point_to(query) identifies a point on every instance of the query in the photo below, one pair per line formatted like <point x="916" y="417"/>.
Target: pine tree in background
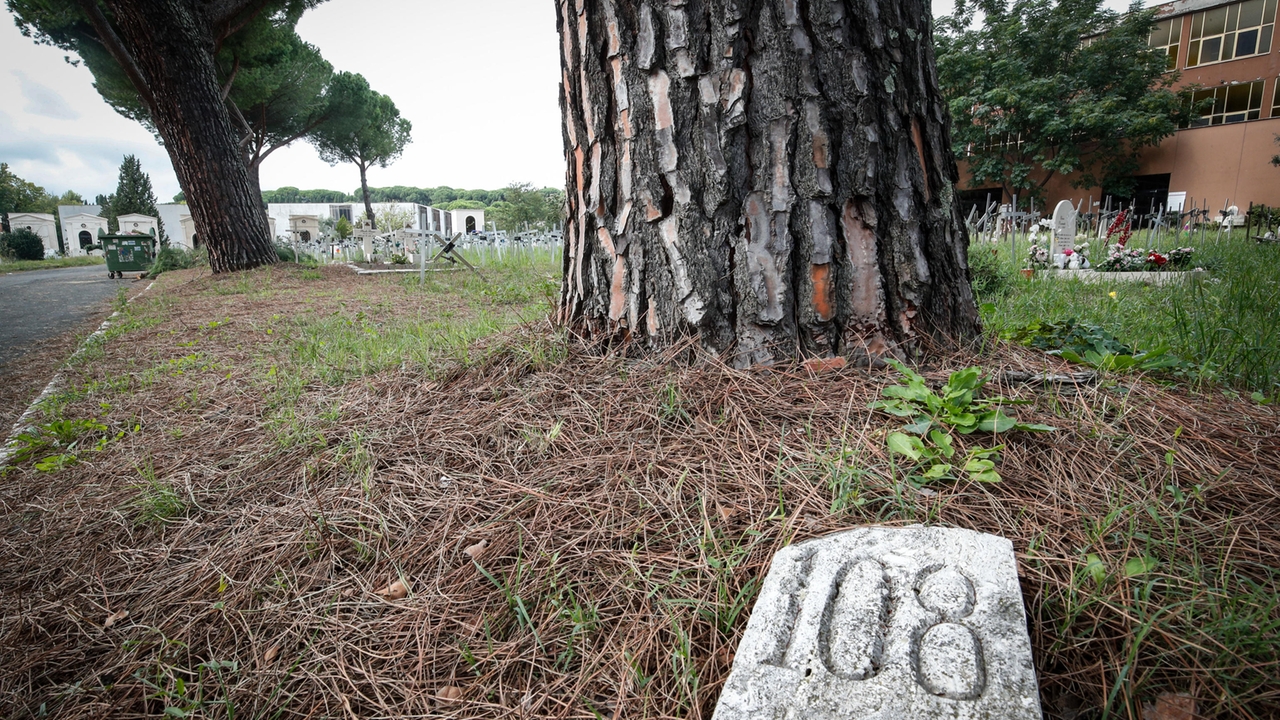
<point x="104" y="203"/>
<point x="133" y="195"/>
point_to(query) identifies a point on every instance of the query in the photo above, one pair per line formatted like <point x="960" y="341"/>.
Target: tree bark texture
<point x="173" y="47"/>
<point x="772" y="176"/>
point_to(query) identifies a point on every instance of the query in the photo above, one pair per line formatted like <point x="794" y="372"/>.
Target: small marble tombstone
<point x="364" y="234"/>
<point x="891" y="624"/>
<point x="1064" y="227"/>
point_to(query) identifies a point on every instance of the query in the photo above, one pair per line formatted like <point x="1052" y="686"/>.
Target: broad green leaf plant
<point x="927" y="440"/>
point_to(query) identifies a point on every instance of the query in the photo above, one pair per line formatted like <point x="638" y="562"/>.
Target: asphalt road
<point x="41" y="304"/>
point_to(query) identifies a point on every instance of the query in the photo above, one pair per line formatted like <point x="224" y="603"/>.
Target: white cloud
<point x="70" y="139"/>
<point x="44" y="101"/>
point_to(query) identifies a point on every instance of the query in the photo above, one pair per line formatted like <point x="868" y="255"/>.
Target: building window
<point x="340" y="211"/>
<point x="1231" y="31"/>
<point x="1167" y="37"/>
<point x="1231" y="104"/>
<point x="1275" y="101"/>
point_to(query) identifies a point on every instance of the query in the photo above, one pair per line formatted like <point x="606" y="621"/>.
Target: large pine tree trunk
<point x="772" y="176"/>
<point x="172" y="44"/>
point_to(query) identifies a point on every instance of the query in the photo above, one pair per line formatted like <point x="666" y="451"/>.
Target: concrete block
<point x="891" y="624"/>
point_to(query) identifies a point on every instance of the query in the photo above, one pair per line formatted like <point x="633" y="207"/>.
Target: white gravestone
<point x="1064" y="227"/>
<point x="364" y="234"/>
<point x="887" y="624"/>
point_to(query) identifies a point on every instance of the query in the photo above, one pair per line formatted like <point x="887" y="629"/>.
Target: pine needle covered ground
<point x="300" y="493"/>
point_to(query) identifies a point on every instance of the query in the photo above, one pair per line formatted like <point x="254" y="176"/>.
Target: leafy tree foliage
<point x="342" y="228"/>
<point x="393" y="218"/>
<point x="369" y="132"/>
<point x="523" y="207"/>
<point x="276" y="87"/>
<point x="443" y="197"/>
<point x="294" y="195"/>
<point x="465" y="205"/>
<point x="18" y="195"/>
<point x="1042" y="87"/>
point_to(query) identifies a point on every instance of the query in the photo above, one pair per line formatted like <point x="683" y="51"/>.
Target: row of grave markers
<point x="1165" y="222"/>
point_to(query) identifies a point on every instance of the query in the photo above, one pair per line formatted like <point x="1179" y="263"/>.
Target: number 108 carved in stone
<point x="882" y="623"/>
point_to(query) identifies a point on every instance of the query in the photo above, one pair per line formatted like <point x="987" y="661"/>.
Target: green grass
<point x="52" y="264"/>
<point x="370" y="332"/>
<point x="343" y="345"/>
<point x="1224" y="325"/>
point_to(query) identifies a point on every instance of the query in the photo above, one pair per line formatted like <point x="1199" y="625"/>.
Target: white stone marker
<point x="1064" y="227"/>
<point x="887" y="624"/>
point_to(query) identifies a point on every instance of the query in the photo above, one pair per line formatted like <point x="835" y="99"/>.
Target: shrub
<point x="21" y="244"/>
<point x="286" y="253"/>
<point x="172" y="258"/>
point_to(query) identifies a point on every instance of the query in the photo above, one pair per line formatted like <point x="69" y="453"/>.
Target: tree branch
<point x="239" y="116"/>
<point x="295" y="137"/>
<point x="113" y="45"/>
<point x="235" y="70"/>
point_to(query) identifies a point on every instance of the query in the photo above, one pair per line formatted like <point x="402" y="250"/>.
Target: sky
<point x="478" y="80"/>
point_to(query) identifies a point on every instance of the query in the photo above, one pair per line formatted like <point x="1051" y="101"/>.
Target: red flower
<point x="1158" y="259"/>
<point x="1120" y="226"/>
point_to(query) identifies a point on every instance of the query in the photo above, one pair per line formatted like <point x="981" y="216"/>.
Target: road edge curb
<point x="10" y="447"/>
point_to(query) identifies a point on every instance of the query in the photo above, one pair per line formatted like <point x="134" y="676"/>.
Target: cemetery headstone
<point x="1064" y="227"/>
<point x="894" y="624"/>
<point x="364" y="234"/>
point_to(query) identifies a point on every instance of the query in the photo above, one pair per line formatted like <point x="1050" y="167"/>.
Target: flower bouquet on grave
<point x="1122" y="259"/>
<point x="1082" y="251"/>
<point x="1181" y="257"/>
<point x="1037" y="256"/>
<point x="1074" y="259"/>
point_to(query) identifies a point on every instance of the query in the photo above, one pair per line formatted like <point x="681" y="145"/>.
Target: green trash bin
<point x="127" y="253"/>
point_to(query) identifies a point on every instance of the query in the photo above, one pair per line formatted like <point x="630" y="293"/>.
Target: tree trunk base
<point x="773" y="179"/>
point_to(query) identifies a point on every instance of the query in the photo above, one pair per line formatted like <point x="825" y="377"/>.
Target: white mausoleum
<point x="303" y="228"/>
<point x="468" y="221"/>
<point x="135" y="224"/>
<point x="80" y="226"/>
<point x="42" y="224"/>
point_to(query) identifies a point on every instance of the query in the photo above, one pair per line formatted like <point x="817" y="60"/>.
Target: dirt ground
<point x="302" y="493"/>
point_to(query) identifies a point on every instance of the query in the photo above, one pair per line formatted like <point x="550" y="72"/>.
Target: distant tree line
<point x="435" y="197"/>
<point x="512" y="208"/>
